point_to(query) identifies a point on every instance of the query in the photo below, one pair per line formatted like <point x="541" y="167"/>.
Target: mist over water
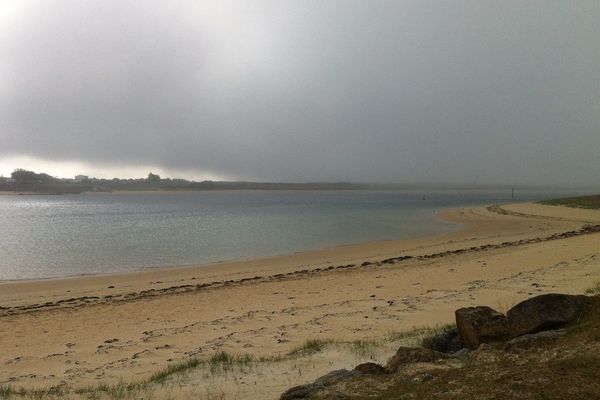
<point x="57" y="236"/>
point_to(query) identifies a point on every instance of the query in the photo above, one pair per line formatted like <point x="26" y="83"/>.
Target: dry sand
<point x="87" y="330"/>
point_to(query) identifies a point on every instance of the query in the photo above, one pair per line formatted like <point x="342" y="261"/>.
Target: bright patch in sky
<point x="68" y="169"/>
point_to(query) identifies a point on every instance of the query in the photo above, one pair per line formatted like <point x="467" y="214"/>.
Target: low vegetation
<point x="219" y="363"/>
<point x="310" y="347"/>
<point x="588" y="202"/>
<point x="417" y="337"/>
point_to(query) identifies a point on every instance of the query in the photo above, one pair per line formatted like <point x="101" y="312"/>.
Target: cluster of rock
<point x="476" y="325"/>
<point x="530" y="322"/>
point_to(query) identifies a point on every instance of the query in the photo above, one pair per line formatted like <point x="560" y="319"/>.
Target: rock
<point x="533" y="339"/>
<point x="304" y="391"/>
<point x="336" y="376"/>
<point x="481" y="324"/>
<point x="370" y="368"/>
<point x="462" y="354"/>
<point x="446" y="342"/>
<point x="544" y="312"/>
<point x="409" y="355"/>
<point x="485" y="353"/>
<point x="298" y="392"/>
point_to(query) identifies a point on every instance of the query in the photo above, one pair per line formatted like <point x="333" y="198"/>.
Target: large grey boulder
<point x="481" y="324"/>
<point x="410" y="355"/>
<point x="544" y="312"/>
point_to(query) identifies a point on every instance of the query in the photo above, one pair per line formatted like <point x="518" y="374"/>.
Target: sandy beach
<point x="110" y="328"/>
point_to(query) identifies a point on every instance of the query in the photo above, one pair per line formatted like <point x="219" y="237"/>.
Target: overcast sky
<point x="388" y="91"/>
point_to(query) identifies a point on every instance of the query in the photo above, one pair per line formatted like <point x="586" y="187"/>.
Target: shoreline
<point x="352" y="253"/>
<point x="267" y="258"/>
<point x="307" y="271"/>
<point x="104" y="329"/>
<point x="361" y="251"/>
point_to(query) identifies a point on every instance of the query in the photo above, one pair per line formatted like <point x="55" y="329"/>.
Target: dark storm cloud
<point x="418" y="91"/>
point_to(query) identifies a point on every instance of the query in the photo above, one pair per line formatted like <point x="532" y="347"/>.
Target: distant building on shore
<point x="81" y="178"/>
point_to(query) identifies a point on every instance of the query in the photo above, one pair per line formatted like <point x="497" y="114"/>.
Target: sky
<point x="487" y="92"/>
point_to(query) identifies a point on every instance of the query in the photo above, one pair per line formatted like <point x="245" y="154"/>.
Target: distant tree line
<point x="23" y="180"/>
<point x="24" y="176"/>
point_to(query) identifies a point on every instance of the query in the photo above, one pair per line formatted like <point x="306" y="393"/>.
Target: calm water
<point x="53" y="236"/>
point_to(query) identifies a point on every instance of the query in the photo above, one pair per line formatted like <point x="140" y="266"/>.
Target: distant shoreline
<point x="25" y="182"/>
<point x="415" y="190"/>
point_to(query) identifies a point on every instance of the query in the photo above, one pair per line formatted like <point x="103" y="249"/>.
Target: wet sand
<point x="87" y="330"/>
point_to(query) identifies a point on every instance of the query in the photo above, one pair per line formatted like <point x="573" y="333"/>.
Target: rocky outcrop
<point x="544" y="312"/>
<point x="299" y="392"/>
<point x="481" y="324"/>
<point x="490" y="337"/>
<point x="409" y="355"/>
<point x="370" y="368"/>
<point x="304" y="391"/>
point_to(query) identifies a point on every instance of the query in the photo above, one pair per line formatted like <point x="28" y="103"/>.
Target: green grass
<point x="588" y="202"/>
<point x="178" y="368"/>
<point x="310" y="347"/>
<point x="218" y="360"/>
<point x="428" y="335"/>
<point x="418" y="336"/>
<point x="57" y="392"/>
<point x="6" y="392"/>
<point x="363" y="348"/>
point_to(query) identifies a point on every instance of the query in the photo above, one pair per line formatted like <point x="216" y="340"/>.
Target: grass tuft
<point x="363" y="348"/>
<point x="311" y="346"/>
<point x="416" y="336"/>
<point x="6" y="392"/>
<point x="438" y="330"/>
<point x="594" y="290"/>
<point x="178" y="368"/>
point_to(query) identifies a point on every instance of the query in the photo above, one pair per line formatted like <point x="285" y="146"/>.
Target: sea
<point x="69" y="235"/>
